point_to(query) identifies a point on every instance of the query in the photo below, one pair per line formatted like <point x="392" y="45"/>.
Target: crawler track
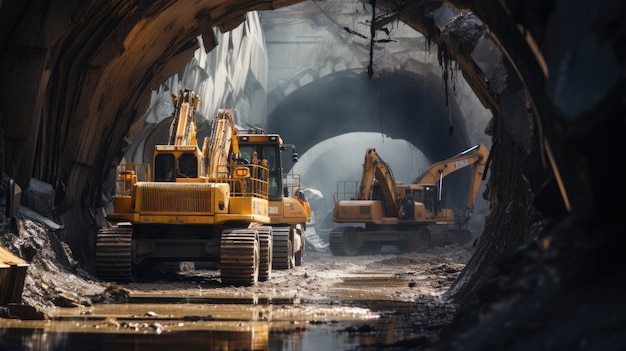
<point x="351" y="241"/>
<point x="283" y="248"/>
<point x="442" y="235"/>
<point x="343" y="241"/>
<point x="266" y="250"/>
<point x="239" y="257"/>
<point x="113" y="254"/>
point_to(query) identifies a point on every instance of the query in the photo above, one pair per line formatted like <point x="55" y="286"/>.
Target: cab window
<point x="187" y="166"/>
<point x="164" y="168"/>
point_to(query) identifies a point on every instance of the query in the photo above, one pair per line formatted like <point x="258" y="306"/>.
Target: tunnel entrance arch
<point x="404" y="105"/>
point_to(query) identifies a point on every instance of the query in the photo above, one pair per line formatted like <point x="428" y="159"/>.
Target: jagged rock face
<point x="77" y="77"/>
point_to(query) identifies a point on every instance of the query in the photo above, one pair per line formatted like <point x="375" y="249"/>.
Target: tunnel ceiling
<point x="89" y="70"/>
<point x="344" y="103"/>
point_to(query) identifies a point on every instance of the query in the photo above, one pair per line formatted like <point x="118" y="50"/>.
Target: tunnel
<point x="77" y="80"/>
<point x="346" y="103"/>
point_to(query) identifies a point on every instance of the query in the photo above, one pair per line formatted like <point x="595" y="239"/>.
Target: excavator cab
<point x="187" y="166"/>
<point x="171" y="165"/>
<point x="431" y="199"/>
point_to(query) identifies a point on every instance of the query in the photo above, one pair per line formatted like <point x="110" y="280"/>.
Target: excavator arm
<point x="183" y="128"/>
<point x="375" y="168"/>
<point x="217" y="147"/>
<point x="476" y="155"/>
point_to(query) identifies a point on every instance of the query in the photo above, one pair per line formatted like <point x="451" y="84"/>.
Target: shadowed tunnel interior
<point x="77" y="78"/>
<point x="403" y="106"/>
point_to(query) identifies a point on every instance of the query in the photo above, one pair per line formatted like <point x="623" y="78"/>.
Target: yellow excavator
<point x="411" y="216"/>
<point x="289" y="210"/>
<point x="195" y="205"/>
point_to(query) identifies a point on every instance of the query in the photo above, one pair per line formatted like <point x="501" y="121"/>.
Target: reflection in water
<point x="326" y="336"/>
<point x="189" y="327"/>
<point x="37" y="339"/>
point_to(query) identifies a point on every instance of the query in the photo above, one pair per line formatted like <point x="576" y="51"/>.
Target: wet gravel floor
<point x="391" y="300"/>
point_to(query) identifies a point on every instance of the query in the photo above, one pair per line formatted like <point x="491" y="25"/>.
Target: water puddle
<point x="215" y="325"/>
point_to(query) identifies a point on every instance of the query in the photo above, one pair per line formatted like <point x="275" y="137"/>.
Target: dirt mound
<point x="53" y="277"/>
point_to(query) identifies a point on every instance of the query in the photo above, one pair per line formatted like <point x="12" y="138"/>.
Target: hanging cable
<point x="450" y="127"/>
<point x="370" y="67"/>
<point x="380" y="114"/>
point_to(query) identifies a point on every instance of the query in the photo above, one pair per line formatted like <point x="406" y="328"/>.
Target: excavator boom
<point x="223" y="136"/>
<point x="432" y="175"/>
<point x="375" y="168"/>
<point x="476" y="155"/>
<point x="183" y="129"/>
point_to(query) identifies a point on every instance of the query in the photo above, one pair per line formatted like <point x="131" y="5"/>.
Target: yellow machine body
<point x="381" y="210"/>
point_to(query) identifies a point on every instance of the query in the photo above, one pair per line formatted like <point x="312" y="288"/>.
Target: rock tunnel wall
<point x="77" y="78"/>
<point x="234" y="74"/>
<point x="97" y="79"/>
<point x="88" y="70"/>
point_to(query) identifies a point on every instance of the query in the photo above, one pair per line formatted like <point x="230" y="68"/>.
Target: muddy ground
<point x="406" y="286"/>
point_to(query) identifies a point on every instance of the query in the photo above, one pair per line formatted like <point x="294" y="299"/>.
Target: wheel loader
<point x="191" y="204"/>
<point x="410" y="216"/>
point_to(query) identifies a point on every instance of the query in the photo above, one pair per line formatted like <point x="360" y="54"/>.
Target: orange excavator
<point x="382" y="211"/>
